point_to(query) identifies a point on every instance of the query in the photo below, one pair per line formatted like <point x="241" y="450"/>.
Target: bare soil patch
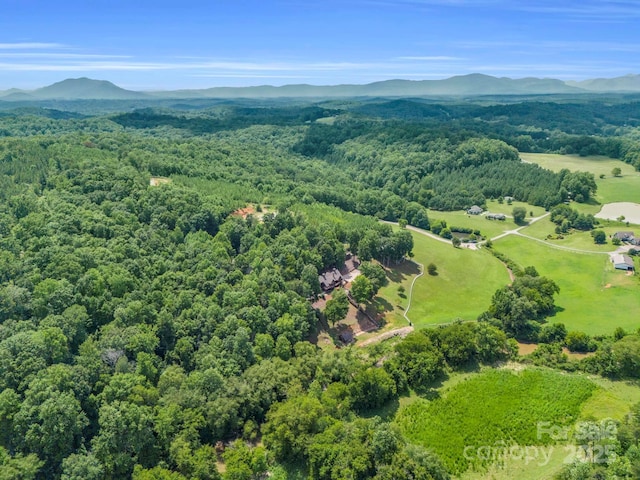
<point x="612" y="211"/>
<point x="526" y="348"/>
<point x="244" y="212"/>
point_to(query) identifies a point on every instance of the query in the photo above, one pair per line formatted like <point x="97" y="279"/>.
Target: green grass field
<point x="463" y="287"/>
<point x="488" y="228"/>
<point x="594" y="164"/>
<point x="495" y="207"/>
<point x="477" y="408"/>
<point x="467" y="279"/>
<point x="610" y="189"/>
<point x="576" y="239"/>
<point x="390" y="300"/>
<point x="609" y="400"/>
<point x="593" y="296"/>
<point x="622" y="189"/>
<point x="494" y="408"/>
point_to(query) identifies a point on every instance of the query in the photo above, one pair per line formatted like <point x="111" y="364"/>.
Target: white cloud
<point x="437" y="58"/>
<point x="65" y="56"/>
<point x="30" y="46"/>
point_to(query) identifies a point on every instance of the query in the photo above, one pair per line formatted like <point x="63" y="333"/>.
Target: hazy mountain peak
<point x="460" y="85"/>
<point x="85" y="88"/>
<point x="626" y="83"/>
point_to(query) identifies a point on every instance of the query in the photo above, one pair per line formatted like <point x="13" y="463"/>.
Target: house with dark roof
<point x="622" y="262"/>
<point x="475" y="210"/>
<point x="346" y="337"/>
<point x="351" y="263"/>
<point x="496" y="216"/>
<point x="330" y="279"/>
<point x="624" y="236"/>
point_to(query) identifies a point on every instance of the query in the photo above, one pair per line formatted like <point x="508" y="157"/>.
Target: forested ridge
<point x="147" y="332"/>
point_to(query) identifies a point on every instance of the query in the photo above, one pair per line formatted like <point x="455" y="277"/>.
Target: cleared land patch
<point x="595" y="164"/>
<point x="630" y="211"/>
<point x="494" y="408"/>
<point x="625" y="188"/>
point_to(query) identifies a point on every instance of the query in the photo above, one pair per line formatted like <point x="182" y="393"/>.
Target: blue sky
<point x="148" y="45"/>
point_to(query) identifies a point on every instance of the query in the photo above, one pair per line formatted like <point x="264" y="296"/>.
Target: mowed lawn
<point x="463" y="287"/>
<point x="488" y="228"/>
<point x="494" y="206"/>
<point x="593" y="296"/>
<point x="577" y="239"/>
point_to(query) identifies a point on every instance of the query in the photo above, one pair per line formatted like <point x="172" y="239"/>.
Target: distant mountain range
<point x="464" y="85"/>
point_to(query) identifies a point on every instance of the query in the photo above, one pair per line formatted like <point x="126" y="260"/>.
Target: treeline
<point x="230" y="118"/>
<point x="440" y="169"/>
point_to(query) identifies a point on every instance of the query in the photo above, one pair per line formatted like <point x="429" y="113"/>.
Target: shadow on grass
<point x="386" y="412"/>
<point x="364" y="323"/>
<point x="382" y="304"/>
<point x="469" y="367"/>
<point x="430" y="390"/>
<point x="294" y="471"/>
<point x="398" y="273"/>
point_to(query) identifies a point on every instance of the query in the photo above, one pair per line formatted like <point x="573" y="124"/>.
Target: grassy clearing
<point x="319" y="213"/>
<point x="593" y="296"/>
<point x="488" y="228"/>
<point x="389" y="299"/>
<point x="610" y="189"/>
<point x="596" y="164"/>
<point x="525" y="469"/>
<point x="230" y="192"/>
<point x="494" y="207"/>
<point x="611" y="399"/>
<point x="463" y="287"/>
<point x="576" y="239"/>
<point x="623" y="189"/>
<point x="492" y="407"/>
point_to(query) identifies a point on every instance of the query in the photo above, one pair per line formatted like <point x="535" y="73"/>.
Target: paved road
<point x="562" y="247"/>
<point x="406" y="310"/>
<point x="517" y="230"/>
<point x="421" y="231"/>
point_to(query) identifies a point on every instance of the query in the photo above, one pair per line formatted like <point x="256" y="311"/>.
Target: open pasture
<point x="492" y="409"/>
<point x="465" y="281"/>
<point x="593" y="296"/>
<point x="488" y="228"/>
<point x="625" y="188"/>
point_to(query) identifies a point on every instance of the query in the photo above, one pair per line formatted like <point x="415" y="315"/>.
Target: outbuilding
<point x="622" y="262"/>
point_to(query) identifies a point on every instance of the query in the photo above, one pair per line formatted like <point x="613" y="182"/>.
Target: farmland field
<point x="625" y="188"/>
<point x="494" y="408"/>
<point x="593" y="296"/>
<point x="594" y="164"/>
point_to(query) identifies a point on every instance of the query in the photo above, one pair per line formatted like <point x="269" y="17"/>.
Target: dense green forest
<point x="147" y="332"/>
